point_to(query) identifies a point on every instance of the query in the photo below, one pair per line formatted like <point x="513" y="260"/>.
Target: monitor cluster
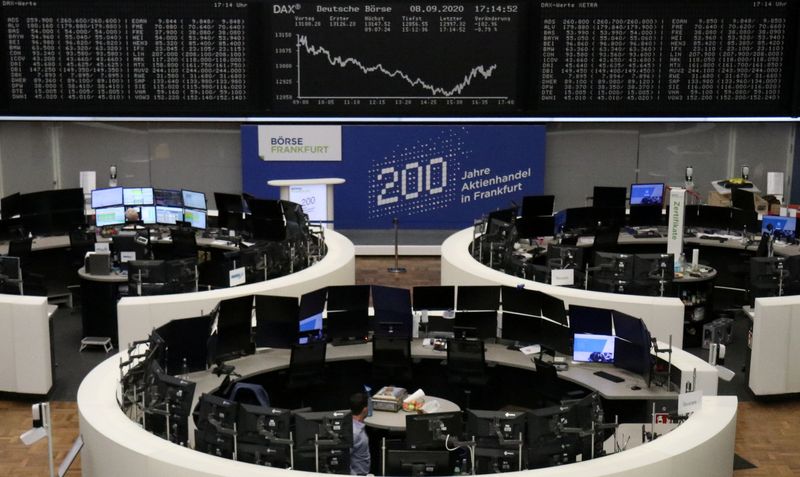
<point x="43" y="212"/>
<point x="154" y="206"/>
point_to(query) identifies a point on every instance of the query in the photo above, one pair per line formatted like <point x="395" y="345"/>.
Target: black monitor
<point x="537" y="205"/>
<point x="553" y="309"/>
<point x="313" y="303"/>
<point x="691" y="216"/>
<point x="478" y="297"/>
<point x="181" y="275"/>
<point x="434" y="298"/>
<point x="653" y="268"/>
<point x="147" y="277"/>
<point x="262" y="425"/>
<point x="214" y="412"/>
<point x="491" y="426"/>
<point x="647" y="195"/>
<point x="234" y="322"/>
<point x="534" y="227"/>
<point x="391" y="298"/>
<point x="745" y="220"/>
<point x="579" y="218"/>
<point x="475" y="324"/>
<point x="193" y="200"/>
<point x="429" y="431"/>
<point x="177" y="393"/>
<point x="393" y="323"/>
<point x="565" y="257"/>
<point x="499" y="220"/>
<point x="10" y="268"/>
<point x="628" y="328"/>
<point x="348" y="297"/>
<point x="632" y="357"/>
<point x="126" y="242"/>
<point x="713" y="217"/>
<point x="214" y="443"/>
<point x="268" y="455"/>
<point x="230" y="210"/>
<point x="765" y="275"/>
<point x="522" y="301"/>
<point x="645" y="215"/>
<point x="276" y="321"/>
<point x="613" y="269"/>
<point x="556" y="337"/>
<point x="255" y="260"/>
<point x="743" y="199"/>
<point x="185" y="344"/>
<point x="588" y="319"/>
<point x="11" y="206"/>
<point x="521" y="328"/>
<point x="348" y="325"/>
<point x="168" y="197"/>
<point x="608" y="216"/>
<point x="332" y="428"/>
<point x="611" y="197"/>
<point x="402" y="462"/>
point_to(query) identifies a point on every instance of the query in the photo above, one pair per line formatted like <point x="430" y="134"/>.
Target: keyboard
<point x="610" y="377"/>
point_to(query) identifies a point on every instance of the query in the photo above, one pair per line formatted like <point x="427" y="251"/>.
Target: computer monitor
<point x="766" y="274"/>
<point x="391" y="298"/>
<point x="168" y="215"/>
<point x="106" y="197"/>
<point x="743" y="199"/>
<point x="9" y="268"/>
<point x="653" y="268"/>
<point x="348" y="325"/>
<point x="578" y="218"/>
<point x="588" y="319"/>
<point x="182" y="275"/>
<point x="392" y="323"/>
<point x="713" y="217"/>
<point x="126" y="242"/>
<point x="434" y="298"/>
<point x="479" y="297"/>
<point x="402" y="462"/>
<point x="310" y="329"/>
<point x="745" y="220"/>
<point x="137" y="196"/>
<point x="230" y="209"/>
<point x="276" y="321"/>
<point x="490" y="426"/>
<point x="613" y="269"/>
<point x="429" y="431"/>
<point x="553" y="309"/>
<point x="565" y="257"/>
<point x="195" y="217"/>
<point x="537" y="205"/>
<point x="215" y="412"/>
<point x="177" y="392"/>
<point x="261" y="424"/>
<point x="555" y="336"/>
<point x="147" y="214"/>
<point x="611" y="197"/>
<point x="632" y="357"/>
<point x="781" y="228"/>
<point x="348" y="297"/>
<point x="234" y="323"/>
<point x="475" y="324"/>
<point x="108" y="216"/>
<point x="147" y="271"/>
<point x="647" y="194"/>
<point x="523" y="329"/>
<point x="522" y="301"/>
<point x="193" y="200"/>
<point x="334" y="428"/>
<point x="499" y="220"/>
<point x="187" y="342"/>
<point x="313" y="303"/>
<point x="168" y="197"/>
<point x="589" y="348"/>
<point x="535" y="227"/>
<point x="645" y="215"/>
<point x="629" y="328"/>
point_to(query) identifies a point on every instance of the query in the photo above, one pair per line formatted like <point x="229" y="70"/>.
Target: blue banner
<point x="426" y="176"/>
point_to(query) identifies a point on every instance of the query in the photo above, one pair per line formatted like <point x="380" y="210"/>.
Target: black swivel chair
<point x="391" y="361"/>
<point x="552" y="388"/>
<point x="466" y="366"/>
<point x="306" y="368"/>
<point x="184" y="243"/>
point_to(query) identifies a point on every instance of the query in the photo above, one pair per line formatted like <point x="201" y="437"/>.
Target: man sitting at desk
<point x="359" y="454"/>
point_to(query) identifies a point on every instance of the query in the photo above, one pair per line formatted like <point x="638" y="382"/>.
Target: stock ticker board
<point x="259" y="58"/>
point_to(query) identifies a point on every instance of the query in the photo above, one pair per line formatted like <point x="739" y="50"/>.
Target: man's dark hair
<point x="358" y="402"/>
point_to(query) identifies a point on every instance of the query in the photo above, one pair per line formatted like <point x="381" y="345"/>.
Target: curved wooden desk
<point x="115" y="445"/>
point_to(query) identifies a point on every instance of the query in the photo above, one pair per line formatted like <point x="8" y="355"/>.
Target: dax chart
<point x="397" y="57"/>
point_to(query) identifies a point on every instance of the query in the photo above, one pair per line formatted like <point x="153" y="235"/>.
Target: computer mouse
<point x="635" y="388"/>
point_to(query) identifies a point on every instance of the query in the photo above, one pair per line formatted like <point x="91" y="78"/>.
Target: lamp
<point x="746" y="172"/>
<point x="689" y="178"/>
<point x="112" y="176"/>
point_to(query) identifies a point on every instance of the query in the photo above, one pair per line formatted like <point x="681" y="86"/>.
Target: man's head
<point x="358" y="406"/>
<point x="132" y="215"/>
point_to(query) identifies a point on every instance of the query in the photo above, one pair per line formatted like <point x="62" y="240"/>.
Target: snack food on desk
<point x="415" y="405"/>
<point x="389" y="398"/>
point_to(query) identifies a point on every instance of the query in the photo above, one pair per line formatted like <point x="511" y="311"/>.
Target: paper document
<point x="532" y="349"/>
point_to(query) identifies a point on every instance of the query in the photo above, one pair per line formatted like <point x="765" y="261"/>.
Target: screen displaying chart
<point x="397" y="57"/>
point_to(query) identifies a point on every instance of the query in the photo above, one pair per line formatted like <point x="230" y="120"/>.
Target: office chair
<point x="306" y="368"/>
<point x="391" y="361"/>
<point x="466" y="366"/>
<point x="249" y="393"/>
<point x="184" y="244"/>
<point x="552" y="388"/>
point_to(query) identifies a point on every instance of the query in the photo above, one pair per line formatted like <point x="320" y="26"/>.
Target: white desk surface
<point x="319" y="181"/>
<point x="396" y="421"/>
<point x="113" y="277"/>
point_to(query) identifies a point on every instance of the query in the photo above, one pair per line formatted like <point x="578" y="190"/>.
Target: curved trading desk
<point x="115" y="445"/>
<point x="137" y="316"/>
<point x="663" y="316"/>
